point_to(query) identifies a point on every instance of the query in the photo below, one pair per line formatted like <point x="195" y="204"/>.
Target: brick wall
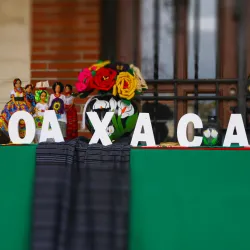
<point x="65" y="39"/>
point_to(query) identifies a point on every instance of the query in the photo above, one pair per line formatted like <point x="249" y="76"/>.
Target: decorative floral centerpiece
<point x="117" y="85"/>
<point x="118" y="79"/>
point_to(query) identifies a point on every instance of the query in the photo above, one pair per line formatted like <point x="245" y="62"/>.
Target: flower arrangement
<point x="111" y="78"/>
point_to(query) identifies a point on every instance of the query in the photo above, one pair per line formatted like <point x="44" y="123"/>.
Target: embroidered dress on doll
<point x="18" y="102"/>
<point x="56" y="102"/>
<point x="41" y="97"/>
<point x="31" y="101"/>
<point x="38" y="118"/>
<point x="30" y="98"/>
<point x="71" y="114"/>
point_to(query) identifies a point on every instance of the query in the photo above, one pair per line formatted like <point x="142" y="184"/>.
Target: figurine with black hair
<point x="56" y="103"/>
<point x="18" y="102"/>
<point x="30" y="98"/>
<point x="41" y="97"/>
<point x="71" y="113"/>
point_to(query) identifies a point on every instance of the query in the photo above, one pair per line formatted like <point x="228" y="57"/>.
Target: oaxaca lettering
<point x="51" y="129"/>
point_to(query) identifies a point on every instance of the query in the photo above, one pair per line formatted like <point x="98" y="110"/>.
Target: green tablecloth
<point x="190" y="200"/>
<point x="181" y="199"/>
<point x="17" y="165"/>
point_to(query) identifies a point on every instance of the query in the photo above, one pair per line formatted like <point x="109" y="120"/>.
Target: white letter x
<point x="100" y="128"/>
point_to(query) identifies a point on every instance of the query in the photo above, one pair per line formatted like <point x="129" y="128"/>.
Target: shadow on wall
<point x="164" y="114"/>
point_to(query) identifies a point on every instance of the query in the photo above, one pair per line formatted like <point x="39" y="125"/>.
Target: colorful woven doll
<point x="56" y="102"/>
<point x="18" y="102"/>
<point x="30" y="98"/>
<point x="41" y="97"/>
<point x="71" y="113"/>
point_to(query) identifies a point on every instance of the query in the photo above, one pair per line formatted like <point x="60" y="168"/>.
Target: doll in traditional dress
<point x="71" y="113"/>
<point x="30" y="98"/>
<point x="56" y="103"/>
<point x="18" y="102"/>
<point x="41" y="97"/>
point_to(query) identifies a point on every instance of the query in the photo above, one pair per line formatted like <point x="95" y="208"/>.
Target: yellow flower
<point x="99" y="65"/>
<point x="125" y="86"/>
<point x="141" y="83"/>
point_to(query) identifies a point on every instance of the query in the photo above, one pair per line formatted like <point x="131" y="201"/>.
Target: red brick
<point x="72" y="82"/>
<point x="62" y="47"/>
<point x="66" y="35"/>
<point x="58" y="12"/>
<point x="37" y="29"/>
<point x="74" y="16"/>
<point x="40" y="48"/>
<point x="79" y="117"/>
<point x="81" y="100"/>
<point x="64" y="4"/>
<point x="56" y="57"/>
<point x="50" y="91"/>
<point x="54" y="74"/>
<point x="71" y="65"/>
<point x="90" y="56"/>
<point x="78" y="108"/>
<point x="90" y="39"/>
<point x="61" y="22"/>
<point x="61" y="37"/>
<point x="64" y="39"/>
<point x="38" y="66"/>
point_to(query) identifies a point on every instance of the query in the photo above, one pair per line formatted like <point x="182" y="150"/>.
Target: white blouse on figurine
<point x="69" y="100"/>
<point x="63" y="117"/>
<point x="41" y="108"/>
<point x="16" y="94"/>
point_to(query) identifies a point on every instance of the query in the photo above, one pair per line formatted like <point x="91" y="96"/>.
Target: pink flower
<point x="84" y="75"/>
<point x="84" y="79"/>
<point x="80" y="86"/>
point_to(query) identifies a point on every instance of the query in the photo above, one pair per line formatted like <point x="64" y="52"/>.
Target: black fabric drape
<point x="81" y="198"/>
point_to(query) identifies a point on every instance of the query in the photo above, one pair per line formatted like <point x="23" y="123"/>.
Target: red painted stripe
<point x="200" y="148"/>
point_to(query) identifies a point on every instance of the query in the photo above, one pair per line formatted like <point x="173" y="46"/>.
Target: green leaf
<point x="131" y="72"/>
<point x="99" y="61"/>
<point x="131" y="122"/>
<point x="205" y="140"/>
<point x="120" y="125"/>
<point x="115" y="135"/>
<point x="102" y="92"/>
<point x="138" y="92"/>
<point x="85" y="94"/>
<point x="93" y="73"/>
<point x="126" y="102"/>
<point x="214" y="141"/>
<point x="90" y="123"/>
<point x="114" y="122"/>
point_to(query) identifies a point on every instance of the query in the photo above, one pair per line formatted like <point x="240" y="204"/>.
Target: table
<point x="181" y="199"/>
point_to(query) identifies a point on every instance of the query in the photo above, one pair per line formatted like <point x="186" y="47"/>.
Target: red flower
<point x="104" y="79"/>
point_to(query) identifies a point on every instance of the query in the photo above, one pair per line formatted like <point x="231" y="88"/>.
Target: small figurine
<point x="30" y="98"/>
<point x="41" y="106"/>
<point x="56" y="102"/>
<point x="17" y="103"/>
<point x="71" y="114"/>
